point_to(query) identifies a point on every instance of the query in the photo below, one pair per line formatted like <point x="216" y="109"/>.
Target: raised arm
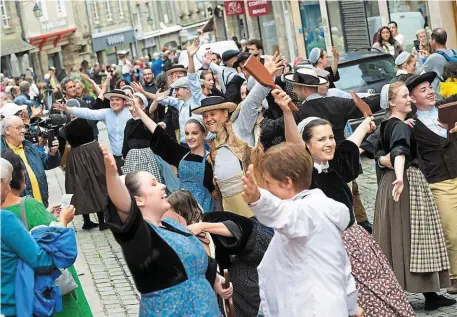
<point x="365" y="127"/>
<point x="84" y="113"/>
<point x="291" y="130"/>
<point x="117" y="191"/>
<point x="336" y="58"/>
<point x="217" y="228"/>
<point x="94" y="85"/>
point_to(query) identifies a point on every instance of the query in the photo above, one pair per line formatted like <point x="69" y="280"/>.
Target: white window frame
<point x="109" y="14"/>
<point x="120" y="4"/>
<point x="61" y="8"/>
<point x="138" y="17"/>
<point x="95" y="12"/>
<point x="44" y="10"/>
<point x="5" y="16"/>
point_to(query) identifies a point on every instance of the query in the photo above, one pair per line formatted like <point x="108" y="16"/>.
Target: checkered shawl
<point x="141" y="160"/>
<point x="428" y="247"/>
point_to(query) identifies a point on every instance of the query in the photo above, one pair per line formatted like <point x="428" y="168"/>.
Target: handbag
<point x="65" y="281"/>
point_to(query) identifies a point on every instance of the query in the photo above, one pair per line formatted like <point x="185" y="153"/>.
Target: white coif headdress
<point x="302" y="125"/>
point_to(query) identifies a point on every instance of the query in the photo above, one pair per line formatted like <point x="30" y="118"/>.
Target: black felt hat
<point x="305" y="77"/>
<point x="214" y="103"/>
<point x="414" y="81"/>
<point x="244" y="56"/>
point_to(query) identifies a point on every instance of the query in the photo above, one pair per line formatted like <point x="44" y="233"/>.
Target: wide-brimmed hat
<point x="214" y="103"/>
<point x="414" y="81"/>
<point x="227" y="55"/>
<point x="176" y="68"/>
<point x="10" y="109"/>
<point x="116" y="93"/>
<point x="305" y="77"/>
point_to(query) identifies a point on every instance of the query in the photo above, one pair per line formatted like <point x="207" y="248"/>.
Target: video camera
<point x="47" y="128"/>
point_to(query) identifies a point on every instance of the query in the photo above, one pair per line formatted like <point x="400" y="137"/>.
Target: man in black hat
<point x="438" y="151"/>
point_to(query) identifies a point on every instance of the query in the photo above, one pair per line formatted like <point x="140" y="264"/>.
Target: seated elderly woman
<point x="169" y="265"/>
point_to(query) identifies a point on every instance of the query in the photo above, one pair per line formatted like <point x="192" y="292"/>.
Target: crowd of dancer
<point x="218" y="172"/>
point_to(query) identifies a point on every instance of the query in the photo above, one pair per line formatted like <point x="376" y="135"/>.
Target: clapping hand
<point x="335" y="53"/>
<point x="137" y="87"/>
<point x="274" y="63"/>
<point x="208" y="57"/>
<point x="251" y="192"/>
<point x="162" y="95"/>
<point x="297" y="61"/>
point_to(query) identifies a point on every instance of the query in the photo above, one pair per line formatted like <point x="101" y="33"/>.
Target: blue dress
<point x="191" y="176"/>
<point x="191" y="298"/>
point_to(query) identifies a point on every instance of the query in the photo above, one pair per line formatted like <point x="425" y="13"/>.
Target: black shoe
<point x="103" y="226"/>
<point x="89" y="225"/>
<point x="438" y="301"/>
<point x="367" y="226"/>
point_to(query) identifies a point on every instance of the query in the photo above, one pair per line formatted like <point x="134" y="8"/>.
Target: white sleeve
<point x="173" y="102"/>
<point x="290" y="218"/>
<point x="86" y="113"/>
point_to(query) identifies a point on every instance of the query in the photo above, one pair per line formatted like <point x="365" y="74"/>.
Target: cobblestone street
<point x="106" y="279"/>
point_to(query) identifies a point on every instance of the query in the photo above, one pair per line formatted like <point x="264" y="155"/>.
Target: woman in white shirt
<point x="305" y="271"/>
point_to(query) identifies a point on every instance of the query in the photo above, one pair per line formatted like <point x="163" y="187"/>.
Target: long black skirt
<point x="85" y="178"/>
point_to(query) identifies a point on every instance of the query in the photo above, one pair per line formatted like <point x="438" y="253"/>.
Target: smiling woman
<point x="168" y="264"/>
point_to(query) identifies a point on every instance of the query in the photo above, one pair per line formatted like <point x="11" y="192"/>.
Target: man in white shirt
<point x="397" y="36"/>
<point x="305" y="271"/>
<point x="115" y="119"/>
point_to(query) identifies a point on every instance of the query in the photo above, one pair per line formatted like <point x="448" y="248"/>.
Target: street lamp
<point x="37" y="12"/>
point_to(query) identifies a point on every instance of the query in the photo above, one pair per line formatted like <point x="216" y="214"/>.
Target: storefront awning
<point x="164" y="31"/>
<point x="14" y="45"/>
<point x="53" y="37"/>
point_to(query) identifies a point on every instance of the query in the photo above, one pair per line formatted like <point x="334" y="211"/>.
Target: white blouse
<point x="305" y="271"/>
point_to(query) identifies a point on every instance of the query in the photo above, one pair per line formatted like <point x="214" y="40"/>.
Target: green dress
<point x="75" y="303"/>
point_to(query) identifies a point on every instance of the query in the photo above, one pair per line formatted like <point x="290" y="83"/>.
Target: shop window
<point x="267" y="26"/>
<point x="313" y="28"/>
<point x="410" y="16"/>
<point x="336" y="27"/>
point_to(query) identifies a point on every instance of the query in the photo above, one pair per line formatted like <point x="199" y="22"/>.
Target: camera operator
<point x="13" y="137"/>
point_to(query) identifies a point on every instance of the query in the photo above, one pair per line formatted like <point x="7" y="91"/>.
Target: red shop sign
<point x="234" y="7"/>
<point x="258" y="7"/>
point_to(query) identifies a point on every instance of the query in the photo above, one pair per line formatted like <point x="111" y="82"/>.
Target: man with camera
<point x="36" y="162"/>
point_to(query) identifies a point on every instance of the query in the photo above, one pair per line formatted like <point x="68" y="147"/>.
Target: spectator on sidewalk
<point x="157" y="64"/>
<point x="386" y="43"/>
<point x="96" y="74"/>
<point x="400" y="38"/>
<point x="437" y="61"/>
<point x="255" y="48"/>
<point x="13" y="137"/>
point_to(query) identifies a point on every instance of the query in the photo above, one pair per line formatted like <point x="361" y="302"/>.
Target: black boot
<point x="367" y="226"/>
<point x="101" y="220"/>
<point x="434" y="301"/>
<point x="88" y="224"/>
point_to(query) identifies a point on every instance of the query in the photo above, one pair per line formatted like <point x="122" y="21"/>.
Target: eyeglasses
<point x="21" y="127"/>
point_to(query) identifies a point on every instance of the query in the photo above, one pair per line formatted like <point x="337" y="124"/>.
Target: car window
<point x="365" y="73"/>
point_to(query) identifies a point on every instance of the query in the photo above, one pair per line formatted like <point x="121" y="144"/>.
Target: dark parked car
<point x="366" y="72"/>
